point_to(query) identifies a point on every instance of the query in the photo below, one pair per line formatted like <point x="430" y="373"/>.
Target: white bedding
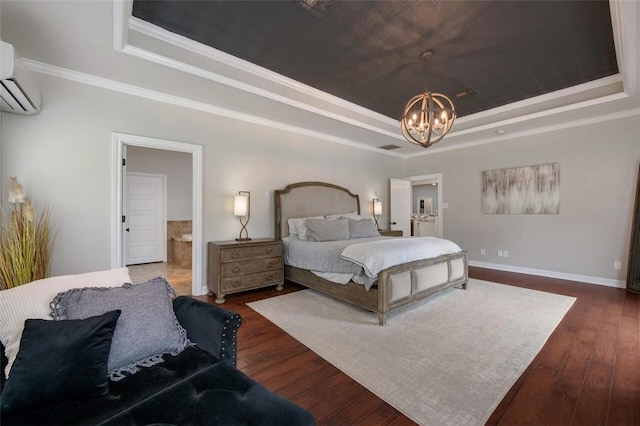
<point x="359" y="260"/>
<point x="374" y="256"/>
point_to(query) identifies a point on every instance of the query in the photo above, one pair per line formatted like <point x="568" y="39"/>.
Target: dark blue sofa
<point x="200" y="386"/>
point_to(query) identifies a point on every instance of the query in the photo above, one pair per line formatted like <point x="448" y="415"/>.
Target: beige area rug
<point x="446" y="360"/>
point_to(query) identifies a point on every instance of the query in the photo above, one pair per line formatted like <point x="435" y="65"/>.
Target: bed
<point x="396" y="286"/>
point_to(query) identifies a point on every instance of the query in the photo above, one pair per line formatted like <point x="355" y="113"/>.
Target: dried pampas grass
<point x="26" y="241"/>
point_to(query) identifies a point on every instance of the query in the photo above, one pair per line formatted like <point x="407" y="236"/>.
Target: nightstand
<point x="390" y="232"/>
<point x="235" y="266"/>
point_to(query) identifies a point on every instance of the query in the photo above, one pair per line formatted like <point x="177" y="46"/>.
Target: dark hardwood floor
<point x="588" y="373"/>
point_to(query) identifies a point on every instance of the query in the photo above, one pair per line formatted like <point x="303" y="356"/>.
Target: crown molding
<point x="531" y="132"/>
<point x="622" y="31"/>
<point x="242" y="65"/>
<point x="141" y="92"/>
<point x="200" y="72"/>
<point x="547" y="97"/>
<point x="121" y="12"/>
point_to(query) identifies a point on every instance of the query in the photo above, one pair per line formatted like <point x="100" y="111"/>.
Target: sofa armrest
<point x="3" y="364"/>
<point x="210" y="327"/>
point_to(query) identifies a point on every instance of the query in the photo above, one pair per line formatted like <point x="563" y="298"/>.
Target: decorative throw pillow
<point x="328" y="230"/>
<point x="31" y="301"/>
<point x="362" y="228"/>
<point x="59" y="361"/>
<point x="147" y="329"/>
<point x="298" y="226"/>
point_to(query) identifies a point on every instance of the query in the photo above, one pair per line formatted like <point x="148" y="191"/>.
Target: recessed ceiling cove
<point x="369" y="53"/>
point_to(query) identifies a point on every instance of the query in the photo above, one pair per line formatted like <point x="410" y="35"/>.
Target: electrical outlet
<point x="499" y="253"/>
<point x="505" y="253"/>
<point x="483" y="251"/>
<point x="445" y="205"/>
<point x="617" y="265"/>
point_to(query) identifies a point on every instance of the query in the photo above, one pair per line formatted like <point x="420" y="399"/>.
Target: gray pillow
<point x="362" y="228"/>
<point x="328" y="229"/>
<point x="147" y="328"/>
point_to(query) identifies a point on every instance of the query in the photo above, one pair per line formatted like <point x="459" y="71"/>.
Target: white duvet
<point x="361" y="259"/>
<point x="374" y="256"/>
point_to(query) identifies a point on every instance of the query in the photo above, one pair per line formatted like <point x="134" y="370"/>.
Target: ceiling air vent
<point x="18" y="91"/>
<point x="317" y="8"/>
<point x="389" y="147"/>
<point x="464" y="93"/>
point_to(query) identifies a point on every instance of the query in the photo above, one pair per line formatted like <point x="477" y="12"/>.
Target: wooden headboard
<point x="308" y="199"/>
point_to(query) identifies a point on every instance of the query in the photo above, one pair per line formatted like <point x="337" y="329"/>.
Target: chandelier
<point x="428" y="117"/>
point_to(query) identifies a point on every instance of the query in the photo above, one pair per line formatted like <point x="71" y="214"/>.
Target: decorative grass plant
<point x="25" y="242"/>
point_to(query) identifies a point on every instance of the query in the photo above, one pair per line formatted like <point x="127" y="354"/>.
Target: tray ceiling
<point x="512" y="59"/>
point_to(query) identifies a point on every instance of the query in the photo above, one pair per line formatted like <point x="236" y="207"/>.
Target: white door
<point x="145" y="224"/>
<point x="400" y="205"/>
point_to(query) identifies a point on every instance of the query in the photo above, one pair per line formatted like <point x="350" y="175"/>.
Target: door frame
<point x="119" y="140"/>
<point x="437" y="177"/>
<point x="163" y="178"/>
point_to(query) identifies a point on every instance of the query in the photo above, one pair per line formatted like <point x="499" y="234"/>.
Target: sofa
<point x="198" y="386"/>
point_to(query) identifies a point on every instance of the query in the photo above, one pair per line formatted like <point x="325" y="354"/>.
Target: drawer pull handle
<point x="236" y="284"/>
<point x="270" y="250"/>
<point x="235" y="254"/>
<point x="269" y="277"/>
<point x="235" y="269"/>
<point x="269" y="265"/>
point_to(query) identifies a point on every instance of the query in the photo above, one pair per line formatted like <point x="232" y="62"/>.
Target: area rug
<point x="446" y="360"/>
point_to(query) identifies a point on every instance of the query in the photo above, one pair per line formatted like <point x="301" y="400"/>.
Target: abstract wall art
<point x="522" y="190"/>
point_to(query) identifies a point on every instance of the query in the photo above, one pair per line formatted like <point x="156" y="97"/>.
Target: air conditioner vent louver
<point x="18" y="91"/>
<point x="13" y="97"/>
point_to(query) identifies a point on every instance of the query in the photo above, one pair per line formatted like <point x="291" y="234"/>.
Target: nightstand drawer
<point x="246" y="282"/>
<point x="250" y="266"/>
<point x="250" y="252"/>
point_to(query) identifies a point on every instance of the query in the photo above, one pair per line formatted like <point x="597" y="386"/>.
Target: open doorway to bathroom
<point x="168" y="243"/>
<point x="158" y="216"/>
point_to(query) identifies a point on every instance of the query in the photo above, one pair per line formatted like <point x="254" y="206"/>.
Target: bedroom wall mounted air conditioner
<point x="18" y="91"/>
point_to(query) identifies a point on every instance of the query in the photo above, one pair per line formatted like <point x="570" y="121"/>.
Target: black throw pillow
<point x="59" y="361"/>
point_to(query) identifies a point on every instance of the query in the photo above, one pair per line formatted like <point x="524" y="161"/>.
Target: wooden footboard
<point x="406" y="283"/>
<point x="397" y="286"/>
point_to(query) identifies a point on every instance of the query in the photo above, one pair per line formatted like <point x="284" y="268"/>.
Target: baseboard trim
<point x="551" y="274"/>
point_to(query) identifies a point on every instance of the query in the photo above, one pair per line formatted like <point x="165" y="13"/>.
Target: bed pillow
<point x="362" y="228"/>
<point x="295" y="224"/>
<point x="147" y="328"/>
<point x="328" y="230"/>
<point x="31" y="301"/>
<point x="298" y="226"/>
<point x="60" y="361"/>
<point x="352" y="215"/>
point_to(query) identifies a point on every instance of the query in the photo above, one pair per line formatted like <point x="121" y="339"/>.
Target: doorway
<point x="427" y="205"/>
<point x="118" y="246"/>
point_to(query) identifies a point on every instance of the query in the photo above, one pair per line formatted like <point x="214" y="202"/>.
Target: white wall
<point x="598" y="167"/>
<point x="63" y="156"/>
<point x="176" y="166"/>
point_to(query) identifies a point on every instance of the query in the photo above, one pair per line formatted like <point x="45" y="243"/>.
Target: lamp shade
<point x="377" y="207"/>
<point x="240" y="205"/>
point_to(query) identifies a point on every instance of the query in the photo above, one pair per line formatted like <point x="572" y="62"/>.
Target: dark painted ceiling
<point x="368" y="52"/>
